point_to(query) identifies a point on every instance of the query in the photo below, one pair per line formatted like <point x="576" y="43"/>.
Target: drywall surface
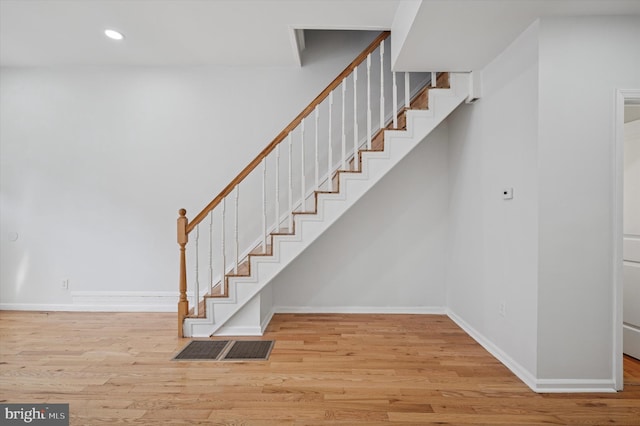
<point x="401" y="26"/>
<point x="96" y="163"/>
<point x="384" y="254"/>
<point x="576" y="151"/>
<point x="492" y="251"/>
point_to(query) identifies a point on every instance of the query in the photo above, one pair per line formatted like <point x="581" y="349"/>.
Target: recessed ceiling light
<point x="113" y="34"/>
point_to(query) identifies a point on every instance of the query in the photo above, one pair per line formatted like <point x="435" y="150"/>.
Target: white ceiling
<point x="173" y="32"/>
<point x="451" y="35"/>
<point x="465" y="35"/>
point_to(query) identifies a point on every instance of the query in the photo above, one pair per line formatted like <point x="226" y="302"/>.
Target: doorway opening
<point x="626" y="244"/>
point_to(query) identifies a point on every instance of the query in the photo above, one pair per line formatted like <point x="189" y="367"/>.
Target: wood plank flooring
<point x="116" y="368"/>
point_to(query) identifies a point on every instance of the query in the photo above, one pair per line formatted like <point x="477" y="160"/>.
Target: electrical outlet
<point x="507" y="194"/>
<point x="65" y="284"/>
<point x="502" y="309"/>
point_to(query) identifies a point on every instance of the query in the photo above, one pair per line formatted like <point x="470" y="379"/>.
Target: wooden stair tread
<point x="258" y="251"/>
<point x="243" y="270"/>
<point x="202" y="305"/>
<point x="217" y="290"/>
<point x="282" y="231"/>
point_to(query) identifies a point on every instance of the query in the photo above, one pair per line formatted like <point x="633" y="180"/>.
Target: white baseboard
<point x="230" y="330"/>
<point x="536" y="385"/>
<point x="238" y="331"/>
<point x="574" y="385"/>
<point x="106" y="301"/>
<point x="434" y="310"/>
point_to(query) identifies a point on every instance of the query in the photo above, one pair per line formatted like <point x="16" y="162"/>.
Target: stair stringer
<point x="308" y="227"/>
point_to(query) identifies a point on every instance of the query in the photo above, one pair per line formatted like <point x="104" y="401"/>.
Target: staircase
<point x="326" y="187"/>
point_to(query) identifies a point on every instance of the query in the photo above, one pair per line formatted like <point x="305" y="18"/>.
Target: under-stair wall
<point x="384" y="254"/>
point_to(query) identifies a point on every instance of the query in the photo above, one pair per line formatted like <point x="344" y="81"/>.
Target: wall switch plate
<point x="65" y="284"/>
<point x="507" y="194"/>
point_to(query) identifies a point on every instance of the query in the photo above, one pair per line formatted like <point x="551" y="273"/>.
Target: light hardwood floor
<point x="116" y="368"/>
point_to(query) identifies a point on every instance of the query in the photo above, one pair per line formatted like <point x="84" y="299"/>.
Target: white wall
<point x="97" y="161"/>
<point x="582" y="62"/>
<point x="402" y="21"/>
<point x="545" y="125"/>
<point x="492" y="256"/>
<point x="386" y="253"/>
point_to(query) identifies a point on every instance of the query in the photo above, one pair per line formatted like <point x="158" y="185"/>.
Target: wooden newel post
<point x="183" y="303"/>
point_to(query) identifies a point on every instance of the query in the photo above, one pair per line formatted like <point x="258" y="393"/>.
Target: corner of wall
<point x="402" y="23"/>
<point x="516" y="368"/>
<point x="493" y="241"/>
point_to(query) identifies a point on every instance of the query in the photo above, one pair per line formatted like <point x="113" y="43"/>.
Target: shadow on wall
<point x="320" y="44"/>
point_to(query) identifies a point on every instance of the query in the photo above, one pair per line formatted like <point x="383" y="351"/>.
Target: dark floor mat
<point x="247" y="350"/>
<point x="202" y="350"/>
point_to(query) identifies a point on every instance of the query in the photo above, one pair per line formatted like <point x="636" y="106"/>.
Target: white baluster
<point x="223" y="248"/>
<point x="344" y="134"/>
<point x="264" y="205"/>
<point x="395" y="101"/>
<point x="369" y="101"/>
<point x="277" y="229"/>
<point x="210" y="250"/>
<point x="330" y="147"/>
<point x="302" y="171"/>
<point x="196" y="287"/>
<point x="407" y="92"/>
<point x="355" y="120"/>
<point x="382" y="84"/>
<point x="290" y="213"/>
<point x="237" y="243"/>
<point x="317" y="169"/>
<point x="434" y="79"/>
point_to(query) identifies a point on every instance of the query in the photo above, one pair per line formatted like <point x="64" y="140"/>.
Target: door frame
<point x="622" y="97"/>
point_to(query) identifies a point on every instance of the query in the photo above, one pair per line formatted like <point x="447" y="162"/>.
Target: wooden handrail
<point x="283" y="134"/>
